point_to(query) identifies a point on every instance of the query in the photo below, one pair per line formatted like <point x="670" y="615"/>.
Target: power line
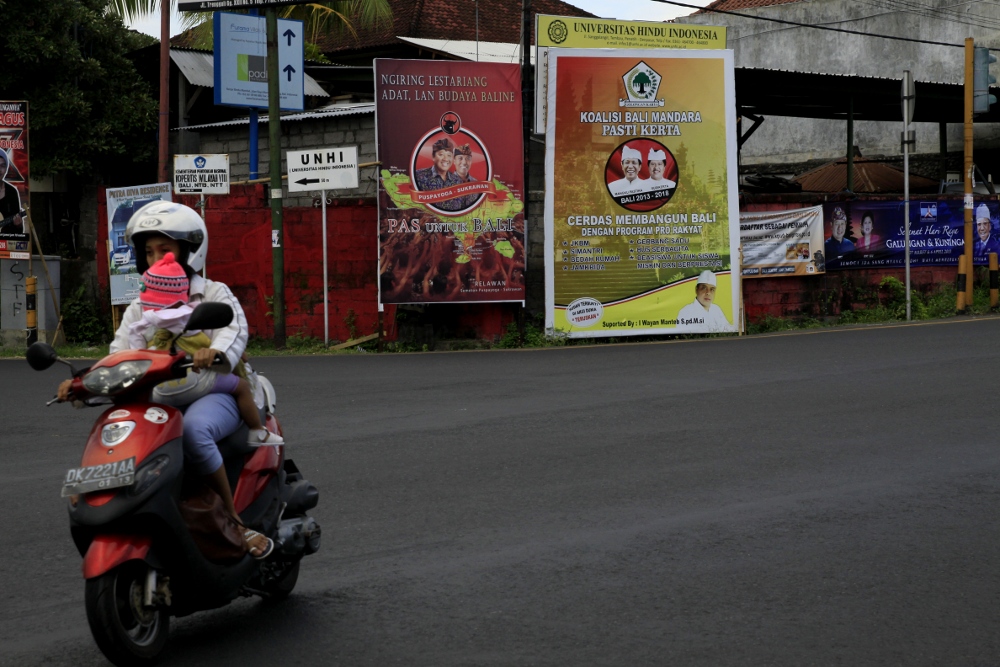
<point x="814" y="27"/>
<point x="940" y="13"/>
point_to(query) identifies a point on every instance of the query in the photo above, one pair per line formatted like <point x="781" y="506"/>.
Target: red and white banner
<point x="13" y="178"/>
<point x="451" y="201"/>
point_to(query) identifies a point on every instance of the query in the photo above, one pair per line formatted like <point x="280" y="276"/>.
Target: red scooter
<point x="141" y="562"/>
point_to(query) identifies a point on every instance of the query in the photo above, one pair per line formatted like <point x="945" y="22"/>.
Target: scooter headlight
<point x="115" y="433"/>
<point x="117" y="378"/>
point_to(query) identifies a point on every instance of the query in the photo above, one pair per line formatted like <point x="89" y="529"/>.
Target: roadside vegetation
<point x="88" y="336"/>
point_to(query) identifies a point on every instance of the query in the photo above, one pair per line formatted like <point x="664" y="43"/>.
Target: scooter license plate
<point x="99" y="478"/>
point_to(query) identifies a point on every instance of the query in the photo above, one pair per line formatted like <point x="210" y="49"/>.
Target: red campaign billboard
<point x="13" y="177"/>
<point x="451" y="201"/>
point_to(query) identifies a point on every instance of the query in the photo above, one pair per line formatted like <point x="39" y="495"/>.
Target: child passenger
<point x="164" y="300"/>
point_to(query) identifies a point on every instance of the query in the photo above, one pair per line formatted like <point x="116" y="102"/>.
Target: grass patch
<point x="69" y="351"/>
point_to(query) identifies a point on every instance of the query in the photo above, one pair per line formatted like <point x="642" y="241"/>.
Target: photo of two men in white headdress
<point x="631" y="182"/>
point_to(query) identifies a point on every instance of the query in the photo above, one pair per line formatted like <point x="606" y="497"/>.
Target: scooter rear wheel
<point x="127" y="632"/>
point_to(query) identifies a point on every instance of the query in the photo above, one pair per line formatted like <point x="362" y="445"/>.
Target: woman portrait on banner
<point x="868" y="240"/>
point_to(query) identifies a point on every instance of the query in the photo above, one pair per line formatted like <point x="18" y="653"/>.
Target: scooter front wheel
<point x="127" y="632"/>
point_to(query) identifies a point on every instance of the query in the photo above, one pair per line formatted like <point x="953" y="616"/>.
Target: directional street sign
<point x="201" y="174"/>
<point x="241" y="61"/>
<point x="213" y="5"/>
<point x="322" y="169"/>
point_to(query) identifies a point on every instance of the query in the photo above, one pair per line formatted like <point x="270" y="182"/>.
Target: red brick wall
<point x="239" y="255"/>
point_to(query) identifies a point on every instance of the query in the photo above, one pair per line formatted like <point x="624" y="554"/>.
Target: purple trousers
<point x="206" y="421"/>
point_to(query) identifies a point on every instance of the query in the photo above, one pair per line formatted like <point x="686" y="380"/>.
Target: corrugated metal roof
<point x="870" y="176"/>
<point x="489" y="52"/>
<point x="198" y="68"/>
<point x="330" y="111"/>
<point x="895" y="80"/>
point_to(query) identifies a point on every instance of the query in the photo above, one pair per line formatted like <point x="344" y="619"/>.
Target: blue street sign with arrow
<point x="290" y="35"/>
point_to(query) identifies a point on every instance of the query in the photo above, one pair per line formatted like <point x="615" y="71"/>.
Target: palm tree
<point x="319" y="17"/>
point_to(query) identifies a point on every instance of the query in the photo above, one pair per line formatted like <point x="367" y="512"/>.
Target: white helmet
<point x="177" y="221"/>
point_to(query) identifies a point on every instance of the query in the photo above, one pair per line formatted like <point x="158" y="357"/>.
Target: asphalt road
<point x="823" y="498"/>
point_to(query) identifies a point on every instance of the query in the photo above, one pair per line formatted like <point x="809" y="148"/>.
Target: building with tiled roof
<point x="439" y="19"/>
<point x="736" y="5"/>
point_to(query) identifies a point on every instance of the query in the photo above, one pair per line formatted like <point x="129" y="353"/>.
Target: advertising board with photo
<point x="14" y="178"/>
<point x="782" y="243"/>
<point x="861" y="235"/>
<point x="122" y="203"/>
<point x="641" y="210"/>
<point x="451" y="201"/>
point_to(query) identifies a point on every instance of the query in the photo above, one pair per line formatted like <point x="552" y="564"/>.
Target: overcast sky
<point x="638" y="10"/>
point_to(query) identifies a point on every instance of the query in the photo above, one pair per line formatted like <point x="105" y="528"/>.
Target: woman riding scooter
<point x="153" y="231"/>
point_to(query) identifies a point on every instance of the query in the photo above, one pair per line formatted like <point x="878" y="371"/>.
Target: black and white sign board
<point x="322" y="169"/>
<point x="201" y="174"/>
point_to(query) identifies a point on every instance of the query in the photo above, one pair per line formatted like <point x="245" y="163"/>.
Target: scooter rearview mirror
<point x="210" y="315"/>
<point x="41" y="356"/>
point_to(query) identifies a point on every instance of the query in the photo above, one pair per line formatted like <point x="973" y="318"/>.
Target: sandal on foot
<point x="261" y="437"/>
<point x="261" y="553"/>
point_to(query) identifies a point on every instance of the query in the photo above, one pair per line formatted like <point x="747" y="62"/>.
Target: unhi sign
<point x="322" y="169"/>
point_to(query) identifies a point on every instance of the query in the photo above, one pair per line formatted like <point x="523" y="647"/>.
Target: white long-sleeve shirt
<point x="231" y="341"/>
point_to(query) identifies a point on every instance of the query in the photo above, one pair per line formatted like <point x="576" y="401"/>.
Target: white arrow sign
<point x="322" y="169"/>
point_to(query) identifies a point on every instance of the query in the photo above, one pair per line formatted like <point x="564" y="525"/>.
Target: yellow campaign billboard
<point x="585" y="33"/>
<point x="641" y="207"/>
<point x="552" y="32"/>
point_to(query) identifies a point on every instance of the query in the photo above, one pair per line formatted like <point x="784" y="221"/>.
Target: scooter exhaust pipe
<point x="298" y="536"/>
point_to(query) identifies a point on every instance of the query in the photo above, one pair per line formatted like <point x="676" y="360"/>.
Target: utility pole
<point x="274" y="146"/>
<point x="164" y="124"/>
<point x="967" y="168"/>
<point x="909" y="139"/>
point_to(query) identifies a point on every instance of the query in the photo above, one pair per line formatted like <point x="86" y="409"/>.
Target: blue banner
<point x="863" y="235"/>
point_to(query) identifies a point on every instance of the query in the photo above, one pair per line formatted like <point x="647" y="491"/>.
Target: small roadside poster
<point x="201" y="174"/>
<point x="14" y="178"/>
<point x="122" y="203"/>
<point x="782" y="243"/>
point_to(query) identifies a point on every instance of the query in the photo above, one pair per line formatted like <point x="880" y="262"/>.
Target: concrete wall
<point x="764" y="44"/>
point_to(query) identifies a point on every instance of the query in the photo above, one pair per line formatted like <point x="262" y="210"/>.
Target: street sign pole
<point x="908" y="100"/>
<point x="323" y="169"/>
<point x="326" y="279"/>
<point x="274" y="146"/>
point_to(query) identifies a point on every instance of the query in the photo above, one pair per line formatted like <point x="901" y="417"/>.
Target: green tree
<point x="88" y="106"/>
<point x="334" y="16"/>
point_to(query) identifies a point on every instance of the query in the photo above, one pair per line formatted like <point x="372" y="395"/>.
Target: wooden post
<point x="960" y="285"/>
